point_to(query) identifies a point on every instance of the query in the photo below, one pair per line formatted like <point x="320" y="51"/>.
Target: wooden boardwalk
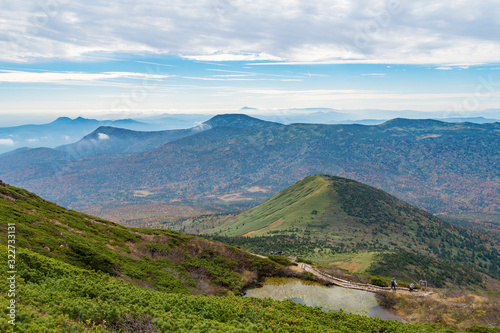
<point x="359" y="286"/>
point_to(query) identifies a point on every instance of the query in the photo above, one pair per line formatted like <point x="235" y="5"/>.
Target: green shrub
<point x="124" y="235"/>
<point x="173" y="242"/>
<point x="307" y="261"/>
<point x="483" y="329"/>
<point x="156" y="248"/>
<point x="377" y="281"/>
<point x="280" y="259"/>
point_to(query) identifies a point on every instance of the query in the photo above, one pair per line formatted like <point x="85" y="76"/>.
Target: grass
<point x="324" y="217"/>
<point x="358" y="262"/>
<point x="162" y="259"/>
<point x="299" y="205"/>
<point x="58" y="297"/>
<point x="78" y="273"/>
<point x="454" y="308"/>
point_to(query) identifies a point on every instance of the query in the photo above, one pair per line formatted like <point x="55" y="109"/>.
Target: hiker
<point x="393" y="284"/>
<point x="412" y="286"/>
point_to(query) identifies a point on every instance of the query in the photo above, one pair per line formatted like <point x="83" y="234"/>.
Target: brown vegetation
<point x="454" y="308"/>
<point x="272" y="225"/>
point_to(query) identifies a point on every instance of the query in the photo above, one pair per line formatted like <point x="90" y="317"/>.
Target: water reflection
<point x="328" y="298"/>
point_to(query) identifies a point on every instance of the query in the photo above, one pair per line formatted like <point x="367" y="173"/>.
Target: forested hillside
<point x="441" y="167"/>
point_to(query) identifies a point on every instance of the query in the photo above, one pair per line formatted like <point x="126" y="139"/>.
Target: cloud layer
<point x="325" y="31"/>
<point x="67" y="77"/>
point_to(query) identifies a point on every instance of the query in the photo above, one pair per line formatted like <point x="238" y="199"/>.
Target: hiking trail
<point x="359" y="286"/>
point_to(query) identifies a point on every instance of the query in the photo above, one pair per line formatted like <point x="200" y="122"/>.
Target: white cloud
<point x="6" y="142"/>
<point x="379" y="31"/>
<point x="32" y="140"/>
<point x="220" y="79"/>
<point x="102" y="136"/>
<point x="236" y="56"/>
<point x="452" y="66"/>
<point x="60" y="77"/>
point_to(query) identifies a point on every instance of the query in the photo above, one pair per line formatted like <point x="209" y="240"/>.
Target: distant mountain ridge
<point x="65" y="130"/>
<point x="418" y="123"/>
<point x="238" y="121"/>
<point x="113" y="140"/>
<point x="368" y="116"/>
<point x="431" y="164"/>
<point x="117" y="141"/>
<point x="61" y="131"/>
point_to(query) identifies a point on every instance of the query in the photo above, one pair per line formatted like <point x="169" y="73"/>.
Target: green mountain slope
<point x="77" y="273"/>
<point x="323" y="216"/>
<point x="296" y="207"/>
<point x="163" y="260"/>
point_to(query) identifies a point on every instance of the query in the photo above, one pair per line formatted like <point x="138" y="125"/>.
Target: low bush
<point x="306" y="261"/>
<point x="377" y="281"/>
<point x="280" y="259"/>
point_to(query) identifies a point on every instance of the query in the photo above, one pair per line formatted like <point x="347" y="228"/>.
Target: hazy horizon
<point x="69" y="59"/>
<point x="11" y="120"/>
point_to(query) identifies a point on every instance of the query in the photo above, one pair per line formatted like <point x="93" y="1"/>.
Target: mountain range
<point x="60" y="131"/>
<point x="64" y="130"/>
<point x="236" y="162"/>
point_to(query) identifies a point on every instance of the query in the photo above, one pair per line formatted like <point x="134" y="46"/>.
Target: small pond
<point x="328" y="298"/>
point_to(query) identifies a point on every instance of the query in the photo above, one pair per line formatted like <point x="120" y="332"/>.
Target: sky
<point x="136" y="58"/>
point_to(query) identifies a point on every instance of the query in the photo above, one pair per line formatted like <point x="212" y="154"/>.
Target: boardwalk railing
<point x="350" y="284"/>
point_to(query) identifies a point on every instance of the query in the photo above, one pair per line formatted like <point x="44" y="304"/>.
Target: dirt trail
<point x="359" y="286"/>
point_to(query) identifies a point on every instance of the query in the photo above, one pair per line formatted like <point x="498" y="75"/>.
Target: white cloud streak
<point x="324" y="31"/>
<point x="64" y="77"/>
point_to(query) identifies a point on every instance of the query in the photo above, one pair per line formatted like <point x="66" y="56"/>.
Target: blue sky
<point x="139" y="58"/>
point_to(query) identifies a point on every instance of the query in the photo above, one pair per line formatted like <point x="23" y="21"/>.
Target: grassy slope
<point x="78" y="273"/>
<point x="292" y="205"/>
<point x="324" y="216"/>
<point x="57" y="297"/>
<point x="164" y="260"/>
